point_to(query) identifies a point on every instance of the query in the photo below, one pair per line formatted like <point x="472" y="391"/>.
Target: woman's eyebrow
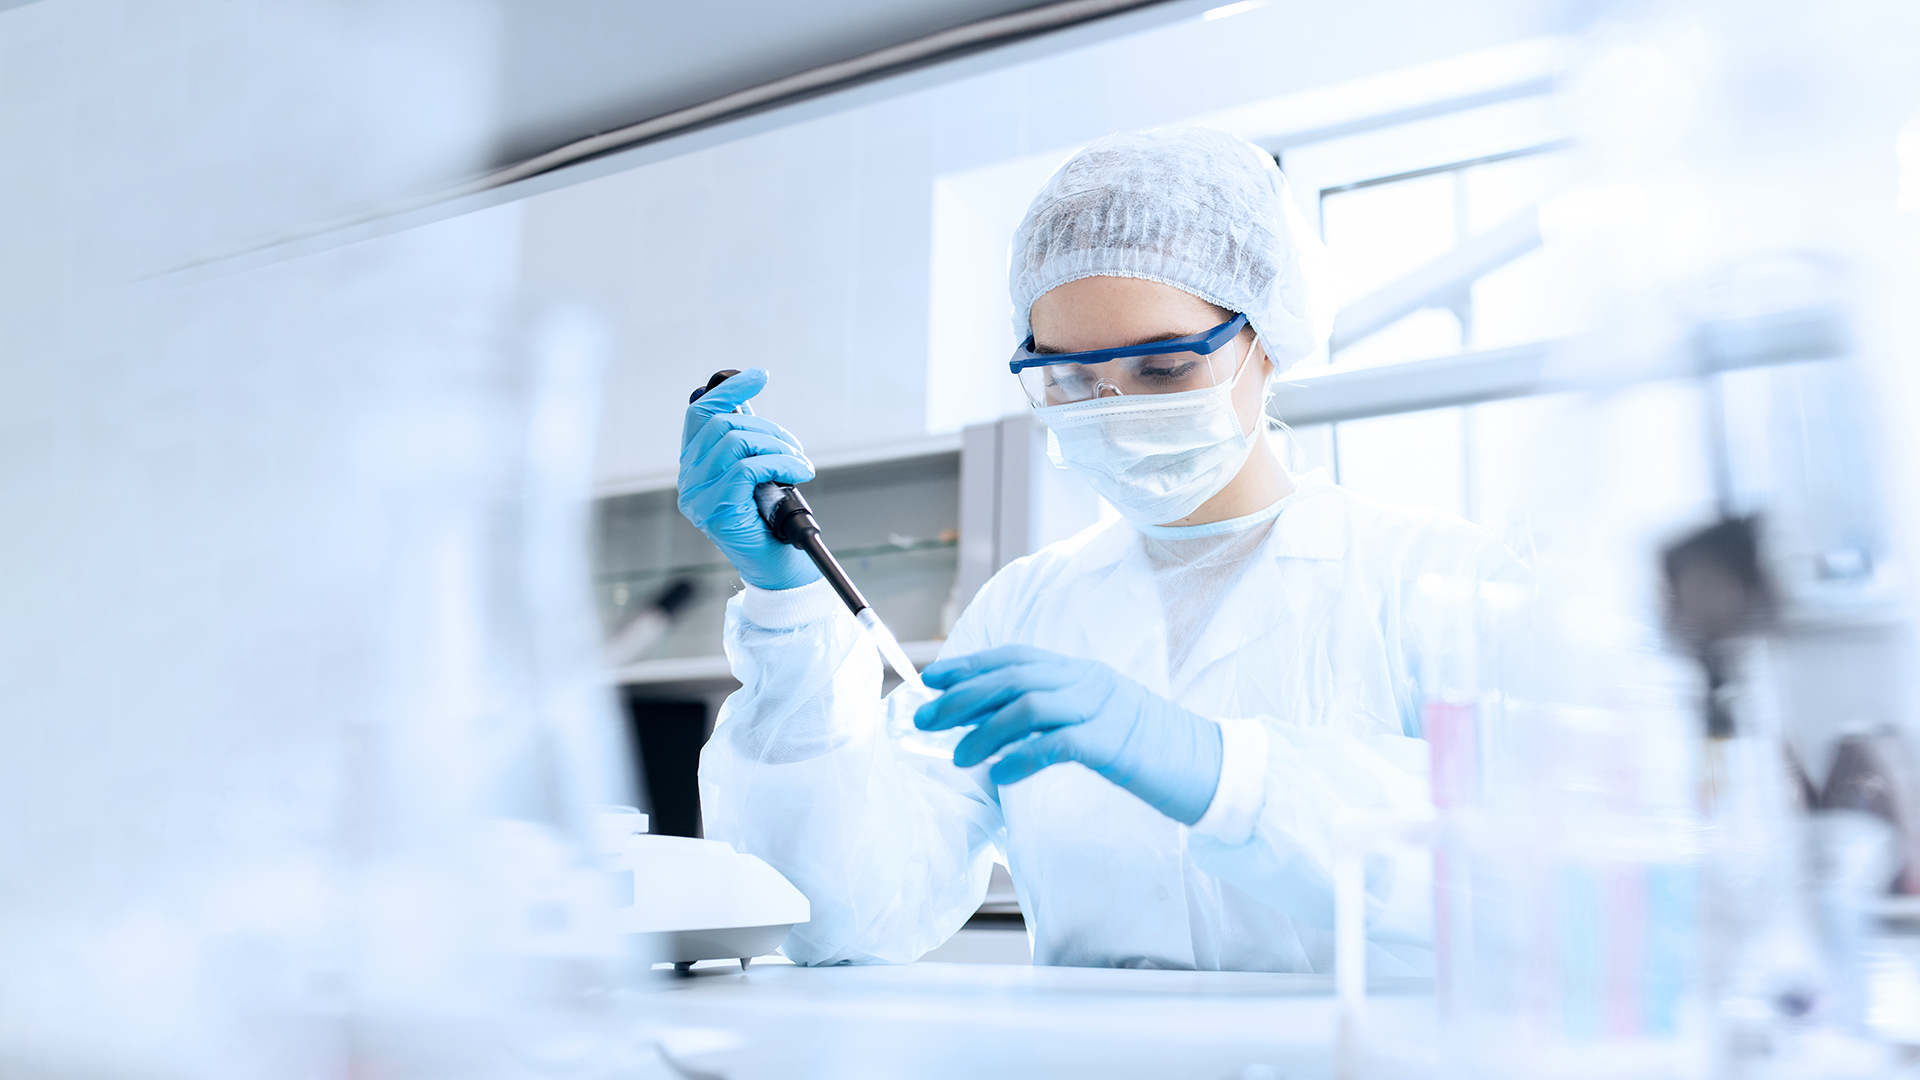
<point x="1171" y="335"/>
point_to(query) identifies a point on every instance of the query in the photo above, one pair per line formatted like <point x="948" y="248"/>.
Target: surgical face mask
<point x="1155" y="457"/>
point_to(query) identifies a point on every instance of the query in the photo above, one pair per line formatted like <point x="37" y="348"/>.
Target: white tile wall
<point x="861" y="256"/>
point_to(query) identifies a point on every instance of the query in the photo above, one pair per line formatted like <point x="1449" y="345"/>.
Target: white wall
<point x="802" y="251"/>
<point x="970" y="315"/>
<point x="812" y="250"/>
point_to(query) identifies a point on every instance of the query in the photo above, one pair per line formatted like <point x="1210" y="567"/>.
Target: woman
<point x="1184" y="700"/>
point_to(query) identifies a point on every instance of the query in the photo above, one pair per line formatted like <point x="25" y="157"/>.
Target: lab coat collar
<point x="1108" y="546"/>
<point x="1311" y="523"/>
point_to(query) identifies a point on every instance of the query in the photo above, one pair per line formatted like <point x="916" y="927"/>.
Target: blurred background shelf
<point x="919" y="532"/>
<point x="702" y="671"/>
<point x="894" y="524"/>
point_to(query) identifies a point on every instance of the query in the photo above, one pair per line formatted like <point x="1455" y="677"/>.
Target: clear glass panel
<point x="1501" y="464"/>
<point x="1539" y="468"/>
<point x="893" y="526"/>
<point x="907" y="584"/>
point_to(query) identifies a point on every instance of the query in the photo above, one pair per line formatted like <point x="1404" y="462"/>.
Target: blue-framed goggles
<point x="1194" y="362"/>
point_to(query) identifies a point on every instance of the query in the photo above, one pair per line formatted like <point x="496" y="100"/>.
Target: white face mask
<point x="1155" y="457"/>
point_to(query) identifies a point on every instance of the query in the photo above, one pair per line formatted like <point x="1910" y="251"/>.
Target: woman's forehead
<point x="1108" y="312"/>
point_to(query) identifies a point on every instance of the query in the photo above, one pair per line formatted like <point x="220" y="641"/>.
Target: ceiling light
<point x="1231" y="9"/>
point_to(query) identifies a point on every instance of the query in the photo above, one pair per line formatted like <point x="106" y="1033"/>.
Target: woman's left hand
<point x="1076" y="710"/>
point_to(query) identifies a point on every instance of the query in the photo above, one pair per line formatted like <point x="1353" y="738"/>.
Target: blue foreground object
<point x="724" y="455"/>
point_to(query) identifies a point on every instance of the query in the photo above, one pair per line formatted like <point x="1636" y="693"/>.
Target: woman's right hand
<point x="724" y="455"/>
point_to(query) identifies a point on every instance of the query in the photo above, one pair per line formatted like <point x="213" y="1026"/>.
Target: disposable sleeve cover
<point x="1242" y="787"/>
<point x="891" y="849"/>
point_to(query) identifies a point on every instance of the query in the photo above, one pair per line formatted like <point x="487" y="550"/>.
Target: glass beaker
<point x="901" y="705"/>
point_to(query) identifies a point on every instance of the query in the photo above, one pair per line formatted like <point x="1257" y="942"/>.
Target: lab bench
<point x="1006" y="1022"/>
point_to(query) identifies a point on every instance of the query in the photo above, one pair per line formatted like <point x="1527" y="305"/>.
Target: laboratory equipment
<point x="1873" y="773"/>
<point x="791" y="522"/>
<point x="681" y="900"/>
<point x="1562" y="849"/>
<point x="1718" y="597"/>
<point x="900" y="708"/>
<point x="726" y="451"/>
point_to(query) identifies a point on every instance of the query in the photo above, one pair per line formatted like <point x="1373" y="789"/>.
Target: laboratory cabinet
<point x="919" y="532"/>
<point x="893" y="523"/>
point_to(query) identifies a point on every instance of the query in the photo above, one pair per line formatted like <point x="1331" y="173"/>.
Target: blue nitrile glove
<point x="723" y="456"/>
<point x="1078" y="710"/>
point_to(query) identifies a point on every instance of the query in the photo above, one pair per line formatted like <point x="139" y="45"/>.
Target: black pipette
<point x="791" y="522"/>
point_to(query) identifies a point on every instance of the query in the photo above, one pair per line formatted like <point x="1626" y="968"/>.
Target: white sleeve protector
<point x="891" y="849"/>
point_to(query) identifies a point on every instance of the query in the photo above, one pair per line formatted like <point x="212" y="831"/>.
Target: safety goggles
<point x="1194" y="362"/>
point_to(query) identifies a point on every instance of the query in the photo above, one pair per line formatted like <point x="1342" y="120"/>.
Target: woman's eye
<point x="1168" y="370"/>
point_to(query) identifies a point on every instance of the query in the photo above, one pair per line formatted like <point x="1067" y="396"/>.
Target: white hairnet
<point x="1194" y="208"/>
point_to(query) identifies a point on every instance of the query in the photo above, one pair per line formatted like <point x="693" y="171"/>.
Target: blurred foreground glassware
<point x="478" y="917"/>
<point x="900" y="707"/>
<point x="1565" y="859"/>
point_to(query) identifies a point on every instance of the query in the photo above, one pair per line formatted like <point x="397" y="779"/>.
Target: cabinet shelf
<point x="713" y="670"/>
<point x="893" y="525"/>
<point x="634" y="581"/>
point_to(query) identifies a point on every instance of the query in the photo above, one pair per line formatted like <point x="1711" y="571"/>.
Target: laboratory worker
<point x="1167" y="714"/>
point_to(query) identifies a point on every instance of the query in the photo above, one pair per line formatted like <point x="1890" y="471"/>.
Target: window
<point x="1433" y="230"/>
<point x="1390" y="229"/>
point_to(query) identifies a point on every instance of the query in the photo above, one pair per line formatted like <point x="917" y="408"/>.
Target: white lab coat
<point x="1311" y="666"/>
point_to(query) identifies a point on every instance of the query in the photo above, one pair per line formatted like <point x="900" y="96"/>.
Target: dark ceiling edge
<point x="950" y="43"/>
<point x="440" y="205"/>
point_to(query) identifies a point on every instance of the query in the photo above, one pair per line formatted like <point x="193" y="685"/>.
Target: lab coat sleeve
<point x="1241" y="790"/>
<point x="891" y="849"/>
<point x="1274" y="837"/>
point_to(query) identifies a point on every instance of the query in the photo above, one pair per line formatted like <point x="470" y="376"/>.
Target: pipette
<point x="791" y="521"/>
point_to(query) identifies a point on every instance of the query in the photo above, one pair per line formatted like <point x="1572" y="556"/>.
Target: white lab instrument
<point x="690" y="899"/>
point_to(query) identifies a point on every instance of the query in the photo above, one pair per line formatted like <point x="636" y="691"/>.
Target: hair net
<point x="1194" y="208"/>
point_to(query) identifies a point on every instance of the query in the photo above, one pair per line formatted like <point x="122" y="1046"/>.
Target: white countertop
<point x="1007" y="1022"/>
